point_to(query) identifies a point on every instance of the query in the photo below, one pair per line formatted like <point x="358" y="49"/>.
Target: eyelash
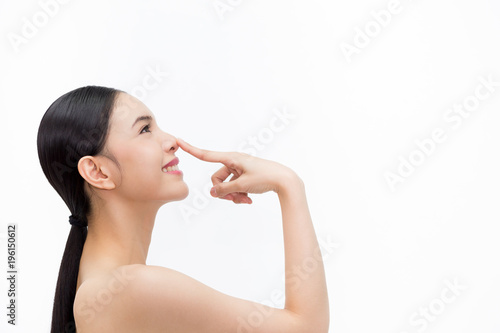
<point x="146" y="127"/>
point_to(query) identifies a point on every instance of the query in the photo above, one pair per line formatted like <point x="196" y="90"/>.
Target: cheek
<point x="140" y="164"/>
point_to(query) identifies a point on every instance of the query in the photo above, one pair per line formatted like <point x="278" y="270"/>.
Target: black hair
<point x="75" y="125"/>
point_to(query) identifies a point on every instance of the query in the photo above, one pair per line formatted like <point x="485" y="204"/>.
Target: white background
<point x="388" y="251"/>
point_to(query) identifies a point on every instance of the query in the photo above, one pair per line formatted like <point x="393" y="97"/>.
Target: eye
<point x="145" y="129"/>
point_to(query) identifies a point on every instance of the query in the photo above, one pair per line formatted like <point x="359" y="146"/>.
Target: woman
<point x="103" y="152"/>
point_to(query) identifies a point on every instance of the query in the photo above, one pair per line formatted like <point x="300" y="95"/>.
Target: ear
<point x="97" y="172"/>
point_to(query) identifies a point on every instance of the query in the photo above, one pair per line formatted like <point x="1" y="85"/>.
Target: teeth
<point x="171" y="168"/>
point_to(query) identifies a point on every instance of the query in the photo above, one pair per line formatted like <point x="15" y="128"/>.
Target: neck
<point x="119" y="234"/>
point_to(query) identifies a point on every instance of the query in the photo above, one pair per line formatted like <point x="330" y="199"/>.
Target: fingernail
<point x="213" y="192"/>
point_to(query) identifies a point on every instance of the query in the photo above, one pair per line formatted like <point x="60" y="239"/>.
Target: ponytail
<point x="63" y="320"/>
<point x="74" y="126"/>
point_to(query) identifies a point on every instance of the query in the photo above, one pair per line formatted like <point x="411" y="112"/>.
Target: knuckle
<point x="238" y="156"/>
<point x="232" y="162"/>
<point x="245" y="157"/>
<point x="203" y="154"/>
<point x="241" y="154"/>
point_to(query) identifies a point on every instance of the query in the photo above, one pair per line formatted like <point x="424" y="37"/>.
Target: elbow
<point x="315" y="327"/>
<point x="322" y="323"/>
<point x="313" y="321"/>
<point x="322" y="326"/>
<point x="318" y="325"/>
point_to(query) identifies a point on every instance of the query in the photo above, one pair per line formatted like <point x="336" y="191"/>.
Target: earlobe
<point x="96" y="173"/>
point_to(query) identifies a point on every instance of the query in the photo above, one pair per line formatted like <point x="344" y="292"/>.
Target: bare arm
<point x="305" y="283"/>
<point x="176" y="302"/>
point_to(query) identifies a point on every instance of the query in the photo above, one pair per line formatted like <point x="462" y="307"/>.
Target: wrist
<point x="289" y="182"/>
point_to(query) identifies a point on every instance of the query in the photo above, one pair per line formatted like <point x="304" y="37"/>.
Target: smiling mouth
<point x="171" y="168"/>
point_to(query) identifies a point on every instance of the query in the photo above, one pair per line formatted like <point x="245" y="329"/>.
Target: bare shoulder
<point x="141" y="298"/>
<point x="99" y="299"/>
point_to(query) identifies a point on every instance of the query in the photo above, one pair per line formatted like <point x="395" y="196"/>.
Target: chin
<point x="180" y="193"/>
<point x="185" y="193"/>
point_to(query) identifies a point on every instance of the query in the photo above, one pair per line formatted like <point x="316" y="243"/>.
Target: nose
<point x="169" y="143"/>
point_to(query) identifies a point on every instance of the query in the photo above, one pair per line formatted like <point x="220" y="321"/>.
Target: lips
<point x="172" y="162"/>
<point x="172" y="167"/>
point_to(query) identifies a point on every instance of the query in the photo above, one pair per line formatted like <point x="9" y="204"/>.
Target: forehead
<point x="126" y="110"/>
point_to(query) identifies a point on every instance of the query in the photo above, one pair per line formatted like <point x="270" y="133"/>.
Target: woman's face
<point x="142" y="150"/>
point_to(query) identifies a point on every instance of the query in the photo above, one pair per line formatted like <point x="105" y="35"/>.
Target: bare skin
<point x="118" y="292"/>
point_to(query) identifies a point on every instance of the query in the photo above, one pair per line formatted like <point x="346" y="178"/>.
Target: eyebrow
<point x="141" y="118"/>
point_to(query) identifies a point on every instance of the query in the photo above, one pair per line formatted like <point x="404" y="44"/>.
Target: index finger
<point x="202" y="154"/>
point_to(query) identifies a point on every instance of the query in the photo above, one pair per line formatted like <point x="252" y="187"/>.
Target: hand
<point x="250" y="174"/>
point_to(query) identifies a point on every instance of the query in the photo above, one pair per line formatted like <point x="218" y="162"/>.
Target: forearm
<point x="305" y="283"/>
